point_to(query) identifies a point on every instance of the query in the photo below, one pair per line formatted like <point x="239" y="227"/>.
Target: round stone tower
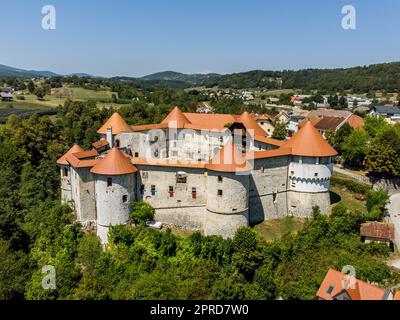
<point x="227" y="192"/>
<point x="115" y="182"/>
<point x="65" y="172"/>
<point x="309" y="171"/>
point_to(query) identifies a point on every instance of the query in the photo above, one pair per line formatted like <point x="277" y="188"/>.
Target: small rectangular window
<point x="219" y="193"/>
<point x="194" y="193"/>
<point x="181" y="178"/>
<point x="124" y="198"/>
<point x="65" y="172"/>
<point x="153" y="190"/>
<point x="171" y="191"/>
<point x="316" y="174"/>
<point x="136" y="154"/>
<point x="330" y="290"/>
<point x="109" y="182"/>
<point x="220" y="178"/>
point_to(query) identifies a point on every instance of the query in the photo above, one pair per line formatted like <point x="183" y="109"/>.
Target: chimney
<point x="109" y="137"/>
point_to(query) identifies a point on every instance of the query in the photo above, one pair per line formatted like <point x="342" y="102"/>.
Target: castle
<point x="208" y="172"/>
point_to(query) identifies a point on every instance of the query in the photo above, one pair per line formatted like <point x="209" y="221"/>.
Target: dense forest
<point x="143" y="263"/>
<point x="362" y="79"/>
<point x="384" y="76"/>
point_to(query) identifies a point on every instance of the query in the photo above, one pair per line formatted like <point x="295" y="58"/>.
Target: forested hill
<point x="384" y="76"/>
<point x="177" y="76"/>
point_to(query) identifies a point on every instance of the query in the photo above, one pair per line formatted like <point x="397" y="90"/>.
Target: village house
<point x="339" y="286"/>
<point x="266" y="122"/>
<point x="329" y="120"/>
<point x="390" y="113"/>
<point x="374" y="231"/>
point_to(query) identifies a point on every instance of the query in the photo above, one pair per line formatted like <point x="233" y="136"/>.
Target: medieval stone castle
<point x="209" y="172"/>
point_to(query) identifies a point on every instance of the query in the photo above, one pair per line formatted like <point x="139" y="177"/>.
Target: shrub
<point x="351" y="185"/>
<point x="141" y="212"/>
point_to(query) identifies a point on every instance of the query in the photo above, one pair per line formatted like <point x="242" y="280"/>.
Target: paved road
<point x="394" y="211"/>
<point x="352" y="175"/>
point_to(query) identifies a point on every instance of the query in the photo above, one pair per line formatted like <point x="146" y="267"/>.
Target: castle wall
<point x="181" y="207"/>
<point x="228" y="211"/>
<point x="307" y="177"/>
<point x="268" y="186"/>
<point x="66" y="188"/>
<point x="111" y="204"/>
<point x="300" y="203"/>
<point x="195" y="144"/>
<point x="83" y="194"/>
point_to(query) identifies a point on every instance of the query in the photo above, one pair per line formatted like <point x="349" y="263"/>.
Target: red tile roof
<point x="168" y="163"/>
<point x="77" y="163"/>
<point x="269" y="153"/>
<point x="379" y="230"/>
<point x="114" y="163"/>
<point x="176" y="119"/>
<point x="229" y="159"/>
<point x="251" y="124"/>
<point x="100" y="144"/>
<point x="309" y="143"/>
<point x="355" y="121"/>
<point x="75" y="148"/>
<point x="116" y="123"/>
<point x="86" y="154"/>
<point x="336" y="282"/>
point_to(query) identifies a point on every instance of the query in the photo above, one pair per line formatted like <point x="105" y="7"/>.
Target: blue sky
<point x="134" y="38"/>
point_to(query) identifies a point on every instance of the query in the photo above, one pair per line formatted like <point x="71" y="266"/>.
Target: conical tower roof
<point x="117" y="123"/>
<point x="74" y="149"/>
<point x="229" y="159"/>
<point x="308" y="142"/>
<point x="177" y="117"/>
<point x="251" y="124"/>
<point x="114" y="163"/>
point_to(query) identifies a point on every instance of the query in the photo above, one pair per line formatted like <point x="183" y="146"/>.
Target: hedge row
<point x="351" y="185"/>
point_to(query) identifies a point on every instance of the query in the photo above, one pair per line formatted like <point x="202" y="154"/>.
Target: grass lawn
<point x="26" y="104"/>
<point x="351" y="200"/>
<point x="271" y="230"/>
<point x="86" y="94"/>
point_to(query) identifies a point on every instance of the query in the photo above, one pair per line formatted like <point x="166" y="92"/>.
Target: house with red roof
<point x="340" y="286"/>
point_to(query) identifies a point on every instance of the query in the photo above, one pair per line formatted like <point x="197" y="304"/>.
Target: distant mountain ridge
<point x="195" y="78"/>
<point x="383" y="76"/>
<point x="7" y="71"/>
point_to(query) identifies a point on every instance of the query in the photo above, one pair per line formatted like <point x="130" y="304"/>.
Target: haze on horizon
<point x="136" y="38"/>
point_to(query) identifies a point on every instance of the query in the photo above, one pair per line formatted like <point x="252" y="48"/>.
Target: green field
<point x="275" y="229"/>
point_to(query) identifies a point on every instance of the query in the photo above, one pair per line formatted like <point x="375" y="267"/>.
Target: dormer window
<point x="330" y="290"/>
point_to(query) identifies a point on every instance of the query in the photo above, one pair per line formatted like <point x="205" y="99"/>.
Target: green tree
<point x="280" y="131"/>
<point x="246" y="256"/>
<point x="31" y="87"/>
<point x="141" y="212"/>
<point x="355" y="147"/>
